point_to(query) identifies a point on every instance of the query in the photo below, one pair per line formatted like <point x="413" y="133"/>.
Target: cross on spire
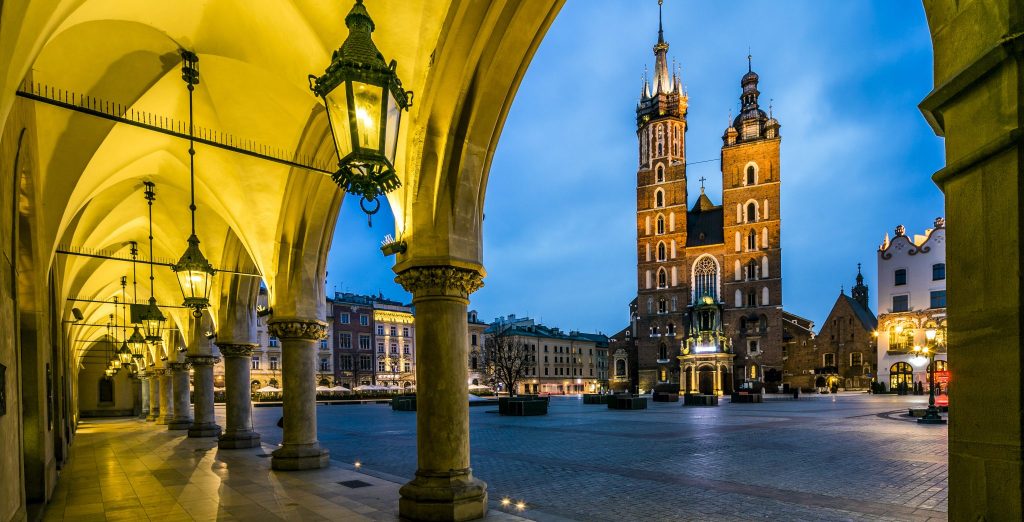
<point x="750" y="66"/>
<point x="702" y="180"/>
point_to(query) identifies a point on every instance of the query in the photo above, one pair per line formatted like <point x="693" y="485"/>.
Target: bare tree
<point x="508" y="359"/>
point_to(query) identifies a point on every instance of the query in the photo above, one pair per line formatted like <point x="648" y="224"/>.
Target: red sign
<point x="942" y="388"/>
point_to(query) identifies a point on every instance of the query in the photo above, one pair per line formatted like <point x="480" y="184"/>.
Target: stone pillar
<point x="444" y="487"/>
<point x="179" y="374"/>
<point x="154" y="396"/>
<point x="238" y="433"/>
<point x="300" y="448"/>
<point x="166" y="396"/>
<point x="204" y="424"/>
<point x="976" y="106"/>
<point x="144" y="388"/>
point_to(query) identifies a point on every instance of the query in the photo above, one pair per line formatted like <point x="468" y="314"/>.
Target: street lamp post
<point x="931" y="416"/>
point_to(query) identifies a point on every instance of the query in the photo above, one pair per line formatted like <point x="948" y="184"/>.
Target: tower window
<point x="661" y="224"/>
<point x="752" y="240"/>
<point x="659" y="199"/>
<point x="661" y="252"/>
<point x="751" y="269"/>
<point x="660" y="177"/>
<point x="751" y="211"/>
<point x="662" y="306"/>
<point x="750" y="175"/>
<point x="751" y="299"/>
<point x="662" y="278"/>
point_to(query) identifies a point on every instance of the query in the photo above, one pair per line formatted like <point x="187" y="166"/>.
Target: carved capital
<point x="305" y="329"/>
<point x="159" y="372"/>
<point x="203" y="360"/>
<point x="179" y="366"/>
<point x="236" y="350"/>
<point x="448" y="281"/>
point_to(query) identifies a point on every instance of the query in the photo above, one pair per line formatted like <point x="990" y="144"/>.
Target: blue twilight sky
<point x="559" y="236"/>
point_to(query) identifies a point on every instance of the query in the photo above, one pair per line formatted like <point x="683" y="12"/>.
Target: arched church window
<point x="671" y="328"/>
<point x="661" y="224"/>
<point x="762" y="324"/>
<point x="752" y="240"/>
<point x="751" y="269"/>
<point x="661" y="252"/>
<point x="751" y="298"/>
<point x="750" y="175"/>
<point x="661" y="140"/>
<point x="620" y="368"/>
<point x="662" y="306"/>
<point x="751" y="212"/>
<point x="705" y="278"/>
<point x="662" y="278"/>
<point x="659" y="199"/>
<point x="660" y="174"/>
<point x="663" y="352"/>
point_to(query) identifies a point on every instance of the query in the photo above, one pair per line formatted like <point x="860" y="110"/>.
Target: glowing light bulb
<point x="520" y="505"/>
<point x="357" y="464"/>
<point x="506" y="501"/>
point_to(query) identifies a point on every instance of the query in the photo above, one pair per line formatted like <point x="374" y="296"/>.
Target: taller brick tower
<point x="753" y="253"/>
<point x="659" y="314"/>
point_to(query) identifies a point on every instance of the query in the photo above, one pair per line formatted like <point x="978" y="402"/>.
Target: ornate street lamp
<point x="364" y="100"/>
<point x="115" y="361"/>
<point x="152" y="318"/>
<point x="931" y="416"/>
<point x="195" y="273"/>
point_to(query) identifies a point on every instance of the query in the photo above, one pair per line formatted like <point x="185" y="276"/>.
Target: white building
<point x="911" y="300"/>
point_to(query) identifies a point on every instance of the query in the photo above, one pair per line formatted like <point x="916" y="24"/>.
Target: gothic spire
<point x="662" y="81"/>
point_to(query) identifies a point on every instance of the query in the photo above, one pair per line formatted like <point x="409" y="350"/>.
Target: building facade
<point x="843" y="355"/>
<point x="477" y="361"/>
<point x="352" y="338"/>
<point x="395" y="342"/>
<point x="729" y="253"/>
<point x="911" y="301"/>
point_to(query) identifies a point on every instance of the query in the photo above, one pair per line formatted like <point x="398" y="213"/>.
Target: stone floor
<point x="845" y="457"/>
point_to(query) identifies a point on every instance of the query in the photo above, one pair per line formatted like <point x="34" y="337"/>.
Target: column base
<point x="151" y="417"/>
<point x="446" y="495"/>
<point x="179" y="424"/>
<point x="295" y="457"/>
<point x="239" y="440"/>
<point x="164" y="419"/>
<point x="203" y="430"/>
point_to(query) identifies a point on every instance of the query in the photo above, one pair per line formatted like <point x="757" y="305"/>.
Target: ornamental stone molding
<point x="307" y="329"/>
<point x="203" y="360"/>
<point x="440" y="281"/>
<point x="179" y="366"/>
<point x="236" y="350"/>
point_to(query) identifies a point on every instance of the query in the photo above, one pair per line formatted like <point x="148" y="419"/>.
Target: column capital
<point x="236" y="350"/>
<point x="202" y="360"/>
<point x="179" y="366"/>
<point x="295" y="328"/>
<point x="441" y="281"/>
<point x="159" y="372"/>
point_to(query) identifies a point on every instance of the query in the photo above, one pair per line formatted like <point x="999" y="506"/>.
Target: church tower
<point x="657" y="321"/>
<point x="860" y="290"/>
<point x="753" y="255"/>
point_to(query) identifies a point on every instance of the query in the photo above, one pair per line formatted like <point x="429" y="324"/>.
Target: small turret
<point x="860" y="290"/>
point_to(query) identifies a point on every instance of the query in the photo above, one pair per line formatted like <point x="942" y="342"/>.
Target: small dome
<point x="750" y="77"/>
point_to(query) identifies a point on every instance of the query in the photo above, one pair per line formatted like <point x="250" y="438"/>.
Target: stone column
<point x="238" y="433"/>
<point x="204" y="425"/>
<point x="444" y="487"/>
<point x="154" y="396"/>
<point x="179" y="374"/>
<point x="166" y="396"/>
<point x="144" y="388"/>
<point x="300" y="448"/>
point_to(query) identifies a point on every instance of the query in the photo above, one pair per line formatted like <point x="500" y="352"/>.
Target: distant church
<point x="708" y="314"/>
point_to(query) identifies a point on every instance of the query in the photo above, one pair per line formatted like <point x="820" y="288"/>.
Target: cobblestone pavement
<point x="840" y="457"/>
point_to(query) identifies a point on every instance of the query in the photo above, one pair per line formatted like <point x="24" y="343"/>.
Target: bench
<point x="696" y="399"/>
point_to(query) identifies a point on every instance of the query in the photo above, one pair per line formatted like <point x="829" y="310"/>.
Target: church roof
<point x="866" y="317"/>
<point x="703" y="203"/>
<point x="704" y="224"/>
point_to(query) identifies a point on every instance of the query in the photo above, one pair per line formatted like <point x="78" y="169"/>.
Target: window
<point x="364" y="342"/>
<point x="752" y="240"/>
<point x="661" y="252"/>
<point x="405" y="349"/>
<point x="662" y="278"/>
<point x="938" y="271"/>
<point x="661" y="174"/>
<point x="829" y="359"/>
<point x="255" y="362"/>
<point x="273" y="362"/>
<point x="856" y="359"/>
<point x="473" y="340"/>
<point x="365" y="363"/>
<point x="394" y="348"/>
<point x="345" y="340"/>
<point x="901" y="375"/>
<point x="660" y="228"/>
<point x="671" y="331"/>
<point x="938" y="298"/>
<point x="545" y="371"/>
<point x="380" y="329"/>
<point x="751" y="212"/>
<point x="662" y="306"/>
<point x="705" y="278"/>
<point x="394" y="331"/>
<point x="472" y="363"/>
<point x="900" y="278"/>
<point x="751" y="269"/>
<point x="364" y="320"/>
<point x="106" y="390"/>
<point x="344" y="318"/>
<point x="663" y="352"/>
<point x="751" y="299"/>
<point x="407" y="367"/>
<point x="346" y="362"/>
<point x="380" y="365"/>
<point x="762" y="324"/>
<point x="750" y="175"/>
<point x="325" y="364"/>
<point x="273" y="342"/>
<point x="380" y="347"/>
<point x="901" y="303"/>
<point x="405" y="331"/>
<point x="659" y="199"/>
<point x="620" y="368"/>
<point x="323" y="344"/>
<point x="752" y="346"/>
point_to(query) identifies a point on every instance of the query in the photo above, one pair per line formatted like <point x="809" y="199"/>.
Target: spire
<point x="860" y="291"/>
<point x="662" y="82"/>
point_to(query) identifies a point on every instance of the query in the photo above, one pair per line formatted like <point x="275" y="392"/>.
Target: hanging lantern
<point x="137" y="342"/>
<point x="151" y="317"/>
<point x="195" y="273"/>
<point x="124" y="354"/>
<point x="364" y="100"/>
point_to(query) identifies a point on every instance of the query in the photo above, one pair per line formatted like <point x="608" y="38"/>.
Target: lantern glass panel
<point x="195" y="283"/>
<point x="393" y="122"/>
<point x="367" y="99"/>
<point x="336" y="102"/>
